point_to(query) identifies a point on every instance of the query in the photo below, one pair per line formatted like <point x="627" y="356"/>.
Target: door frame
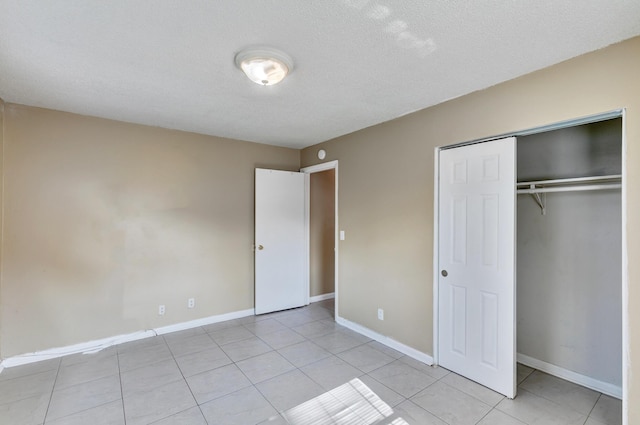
<point x="330" y="165"/>
<point x="617" y="113"/>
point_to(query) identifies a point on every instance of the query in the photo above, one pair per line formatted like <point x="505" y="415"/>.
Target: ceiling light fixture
<point x="264" y="65"/>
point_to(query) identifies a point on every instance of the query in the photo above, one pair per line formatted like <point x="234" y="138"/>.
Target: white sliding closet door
<point x="476" y="292"/>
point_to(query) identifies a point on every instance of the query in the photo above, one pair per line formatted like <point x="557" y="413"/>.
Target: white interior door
<point x="281" y="278"/>
<point x="476" y="292"/>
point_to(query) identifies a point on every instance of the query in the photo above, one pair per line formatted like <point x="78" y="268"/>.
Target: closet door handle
<point x="444" y="273"/>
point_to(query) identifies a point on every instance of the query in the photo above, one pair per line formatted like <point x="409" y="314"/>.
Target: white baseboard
<point x="586" y="381"/>
<point x="322" y="297"/>
<point x="389" y="342"/>
<point x="101" y="344"/>
<point x="204" y="321"/>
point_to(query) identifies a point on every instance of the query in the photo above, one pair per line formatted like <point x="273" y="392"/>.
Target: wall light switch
<point x="341" y="235"/>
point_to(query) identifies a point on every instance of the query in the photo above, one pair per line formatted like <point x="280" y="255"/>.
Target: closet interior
<point x="569" y="254"/>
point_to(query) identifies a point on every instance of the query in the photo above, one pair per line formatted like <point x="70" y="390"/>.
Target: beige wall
<point x="322" y="232"/>
<point x="386" y="187"/>
<point x="105" y="220"/>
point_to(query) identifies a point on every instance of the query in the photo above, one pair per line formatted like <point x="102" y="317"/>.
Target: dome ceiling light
<point x="264" y="65"/>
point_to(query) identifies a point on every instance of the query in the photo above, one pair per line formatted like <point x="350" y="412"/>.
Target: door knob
<point x="444" y="273"/>
<point x="260" y="247"/>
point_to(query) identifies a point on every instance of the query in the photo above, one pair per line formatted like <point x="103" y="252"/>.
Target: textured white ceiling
<point x="169" y="63"/>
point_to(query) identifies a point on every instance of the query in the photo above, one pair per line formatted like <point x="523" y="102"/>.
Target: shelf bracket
<point x="538" y="199"/>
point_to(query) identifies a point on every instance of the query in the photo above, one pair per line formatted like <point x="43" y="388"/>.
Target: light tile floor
<point x="247" y="371"/>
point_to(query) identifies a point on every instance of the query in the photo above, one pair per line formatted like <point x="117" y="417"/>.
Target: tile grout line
<point x="188" y="386"/>
<point x="124" y="413"/>
<point x="46" y="413"/>
<point x="593" y="408"/>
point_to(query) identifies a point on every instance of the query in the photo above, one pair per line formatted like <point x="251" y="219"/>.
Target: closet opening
<point x="569" y="254"/>
<point x="568" y="314"/>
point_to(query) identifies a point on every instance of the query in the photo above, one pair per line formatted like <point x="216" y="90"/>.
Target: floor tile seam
<point x="465" y="393"/>
<point x="88" y="381"/>
<point x="255" y="383"/>
<point x="408" y="365"/>
<point x="30" y="375"/>
<point x="84" y="364"/>
<point x="312" y="380"/>
<point x="146" y="364"/>
<point x="143" y="346"/>
<point x="209" y="331"/>
<point x="473" y="396"/>
<point x="195" y="352"/>
<point x="356" y="366"/>
<point x="198" y="350"/>
<point x="53" y="387"/>
<point x="280" y="412"/>
<point x="145" y="354"/>
<point x="20" y="376"/>
<point x="274" y="376"/>
<point x="252" y="357"/>
<point x="302" y="342"/>
<point x="346" y="349"/>
<point x="412" y="399"/>
<point x="174" y="333"/>
<point x="84" y="410"/>
<point x="315" y="335"/>
<point x="563" y="406"/>
<point x="507" y="414"/>
<point x="208" y="400"/>
<point x="421" y="371"/>
<point x="527" y="377"/>
<point x="380" y="351"/>
<point x="594" y="406"/>
<point x="231" y="342"/>
<point x="175" y="414"/>
<point x="295" y="325"/>
<point x="315" y="361"/>
<point x="276" y="349"/>
<point x="184" y="378"/>
<point x="22" y="398"/>
<point x="306" y="336"/>
<point x="390" y="389"/>
<point x="139" y="392"/>
<point x="261" y="340"/>
<point x="124" y="412"/>
<point x="221" y="396"/>
<point x="208" y="370"/>
<point x="181" y="340"/>
<point x="262" y="331"/>
<point x="484" y="416"/>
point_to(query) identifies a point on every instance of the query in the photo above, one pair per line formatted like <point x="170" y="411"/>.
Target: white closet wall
<point x="569" y="307"/>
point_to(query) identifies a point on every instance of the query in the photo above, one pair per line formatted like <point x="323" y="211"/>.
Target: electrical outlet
<point x="161" y="310"/>
<point x="191" y="302"/>
<point x="380" y="314"/>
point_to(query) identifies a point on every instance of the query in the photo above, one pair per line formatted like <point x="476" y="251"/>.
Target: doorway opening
<point x="322" y="233"/>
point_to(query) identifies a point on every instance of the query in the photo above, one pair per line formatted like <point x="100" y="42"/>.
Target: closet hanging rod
<point x="573" y="180"/>
<point x="573" y="188"/>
